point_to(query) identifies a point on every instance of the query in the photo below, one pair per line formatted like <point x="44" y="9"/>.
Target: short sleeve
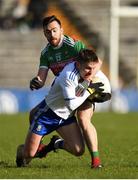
<point x="43" y="61"/>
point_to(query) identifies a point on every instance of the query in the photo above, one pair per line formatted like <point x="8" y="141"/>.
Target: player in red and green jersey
<point x="55" y="58"/>
<point x="60" y="51"/>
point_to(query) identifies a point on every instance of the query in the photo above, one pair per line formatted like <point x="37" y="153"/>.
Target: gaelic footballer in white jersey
<point x="62" y="97"/>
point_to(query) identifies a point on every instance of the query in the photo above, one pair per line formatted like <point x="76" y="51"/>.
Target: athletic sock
<point x="95" y="154"/>
<point x="95" y="159"/>
<point x="40" y="150"/>
<point x="44" y="149"/>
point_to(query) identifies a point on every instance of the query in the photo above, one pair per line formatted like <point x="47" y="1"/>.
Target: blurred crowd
<point x="18" y="13"/>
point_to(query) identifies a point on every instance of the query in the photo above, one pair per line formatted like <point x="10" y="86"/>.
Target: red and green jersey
<point x="56" y="58"/>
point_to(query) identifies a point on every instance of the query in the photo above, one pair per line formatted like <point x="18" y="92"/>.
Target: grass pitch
<point x="118" y="144"/>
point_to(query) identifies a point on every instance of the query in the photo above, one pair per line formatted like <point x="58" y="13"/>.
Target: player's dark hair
<point x="87" y="55"/>
<point x="47" y="20"/>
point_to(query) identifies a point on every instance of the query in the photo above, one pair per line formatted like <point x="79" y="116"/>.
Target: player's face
<point x="53" y="33"/>
<point x="87" y="70"/>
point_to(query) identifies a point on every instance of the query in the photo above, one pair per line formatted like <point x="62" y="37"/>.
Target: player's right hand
<point x="95" y="87"/>
<point x="36" y="83"/>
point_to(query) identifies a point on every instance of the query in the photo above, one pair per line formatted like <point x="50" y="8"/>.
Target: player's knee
<point x="79" y="151"/>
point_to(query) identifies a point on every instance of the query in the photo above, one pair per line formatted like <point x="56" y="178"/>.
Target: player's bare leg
<point x="26" y="152"/>
<point x="31" y="117"/>
<point x="84" y="114"/>
<point x="73" y="140"/>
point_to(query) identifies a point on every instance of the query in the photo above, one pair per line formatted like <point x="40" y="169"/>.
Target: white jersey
<point x="63" y="98"/>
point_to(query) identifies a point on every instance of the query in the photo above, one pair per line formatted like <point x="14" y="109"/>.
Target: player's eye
<point x="54" y="30"/>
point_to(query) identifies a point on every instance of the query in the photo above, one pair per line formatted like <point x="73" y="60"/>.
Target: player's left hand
<point x="36" y="83"/>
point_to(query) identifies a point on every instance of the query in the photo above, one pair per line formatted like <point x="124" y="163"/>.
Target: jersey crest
<point x="58" y="56"/>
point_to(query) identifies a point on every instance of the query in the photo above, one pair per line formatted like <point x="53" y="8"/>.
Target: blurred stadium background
<point x="21" y="40"/>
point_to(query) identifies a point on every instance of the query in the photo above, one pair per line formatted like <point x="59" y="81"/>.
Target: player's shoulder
<point x="45" y="49"/>
<point x="69" y="67"/>
<point x="70" y="71"/>
<point x="68" y="41"/>
<point x="71" y="40"/>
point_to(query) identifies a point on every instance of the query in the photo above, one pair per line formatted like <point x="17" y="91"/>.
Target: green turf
<point x="118" y="144"/>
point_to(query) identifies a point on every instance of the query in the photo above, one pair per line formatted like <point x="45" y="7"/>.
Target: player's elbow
<point x="70" y="105"/>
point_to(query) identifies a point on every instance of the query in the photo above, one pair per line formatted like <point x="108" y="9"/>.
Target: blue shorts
<point x="45" y="120"/>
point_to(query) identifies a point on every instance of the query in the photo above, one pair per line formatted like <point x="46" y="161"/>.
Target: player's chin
<point x="54" y="43"/>
<point x="87" y="78"/>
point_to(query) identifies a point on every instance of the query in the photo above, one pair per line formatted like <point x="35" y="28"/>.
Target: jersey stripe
<point x="73" y="74"/>
<point x="68" y="38"/>
<point x="44" y="67"/>
<point x="69" y="43"/>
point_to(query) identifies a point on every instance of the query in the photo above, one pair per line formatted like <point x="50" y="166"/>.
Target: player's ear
<point x="77" y="64"/>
